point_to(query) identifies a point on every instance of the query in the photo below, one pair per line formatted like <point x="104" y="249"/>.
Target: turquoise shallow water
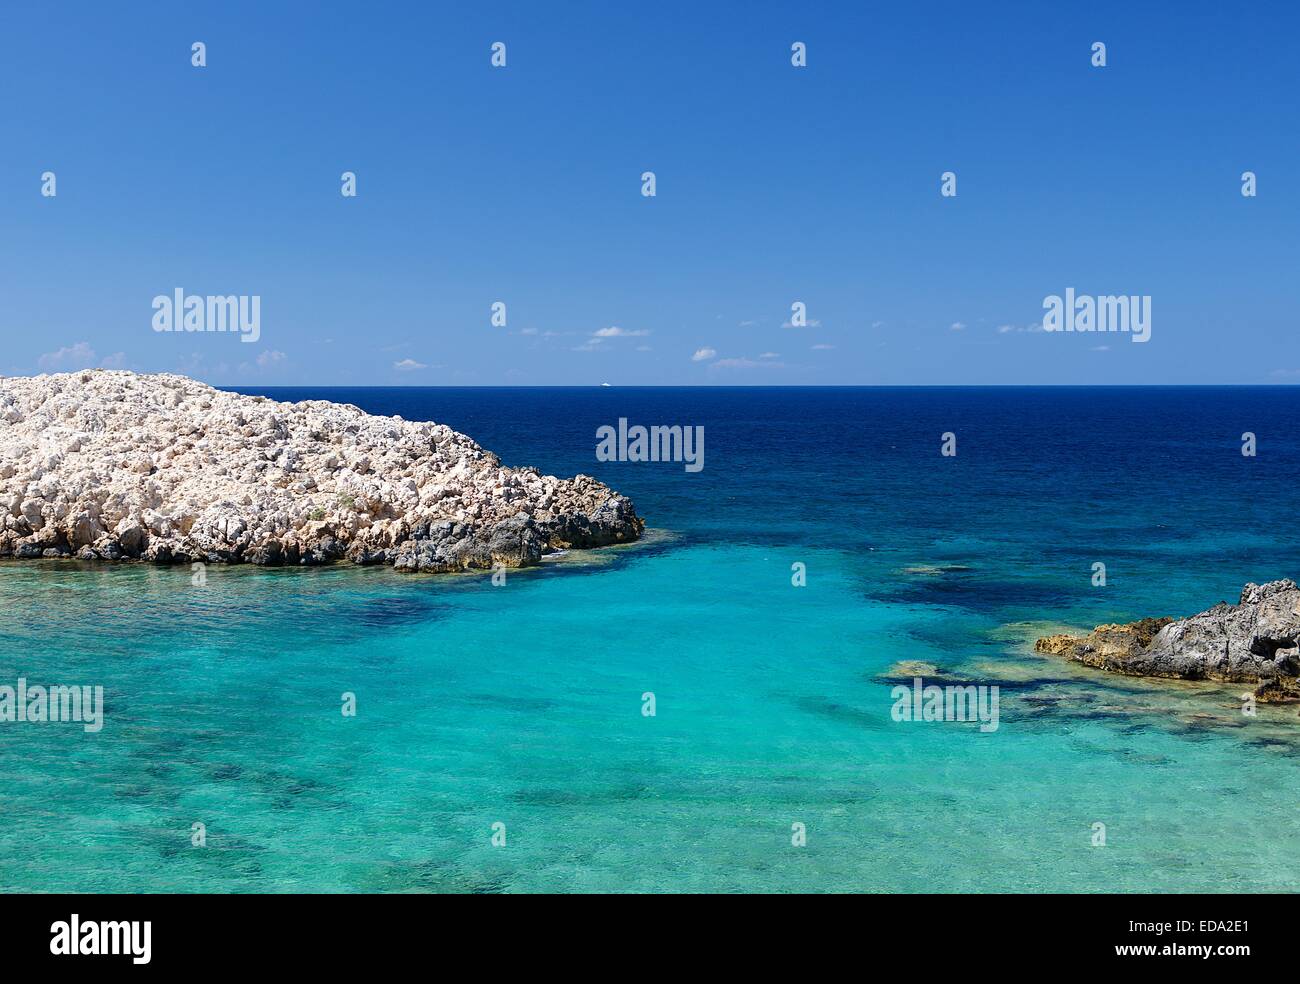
<point x="522" y="704"/>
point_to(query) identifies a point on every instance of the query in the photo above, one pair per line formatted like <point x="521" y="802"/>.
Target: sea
<point x="713" y="708"/>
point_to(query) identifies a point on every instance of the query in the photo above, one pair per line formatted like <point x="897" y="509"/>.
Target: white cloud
<point x="270" y="358"/>
<point x="69" y="358"/>
<point x="408" y="365"/>
<point x="616" y="332"/>
<point x="770" y="355"/>
<point x="958" y="326"/>
<point x="811" y="324"/>
<point x="703" y="354"/>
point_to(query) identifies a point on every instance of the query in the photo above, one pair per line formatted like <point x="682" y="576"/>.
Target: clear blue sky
<point x="775" y="184"/>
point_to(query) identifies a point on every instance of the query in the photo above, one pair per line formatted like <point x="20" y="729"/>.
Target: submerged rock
<point x="908" y="668"/>
<point x="1255" y="641"/>
<point x="115" y="465"/>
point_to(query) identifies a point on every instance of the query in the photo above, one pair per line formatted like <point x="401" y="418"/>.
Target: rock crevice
<point x="114" y="465"/>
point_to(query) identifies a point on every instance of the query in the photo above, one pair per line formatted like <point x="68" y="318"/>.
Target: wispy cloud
<point x="600" y="335"/>
<point x="822" y="348"/>
<point x="409" y="365"/>
<point x="72" y="357"/>
<point x="704" y="354"/>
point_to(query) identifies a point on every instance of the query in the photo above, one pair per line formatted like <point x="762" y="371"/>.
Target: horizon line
<point x="763" y="386"/>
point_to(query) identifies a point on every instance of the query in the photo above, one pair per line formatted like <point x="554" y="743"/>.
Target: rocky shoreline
<point x="114" y="465"/>
<point x="1256" y="641"/>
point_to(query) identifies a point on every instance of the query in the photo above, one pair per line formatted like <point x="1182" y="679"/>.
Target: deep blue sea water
<point x="522" y="704"/>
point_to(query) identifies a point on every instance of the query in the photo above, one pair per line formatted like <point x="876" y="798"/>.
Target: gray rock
<point x="1255" y="641"/>
<point x="514" y="543"/>
<point x="130" y="537"/>
<point x="109" y="549"/>
<point x="85" y="530"/>
<point x="269" y="554"/>
<point x="159" y="553"/>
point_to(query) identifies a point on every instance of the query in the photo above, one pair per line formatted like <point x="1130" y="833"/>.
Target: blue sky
<point x="775" y="184"/>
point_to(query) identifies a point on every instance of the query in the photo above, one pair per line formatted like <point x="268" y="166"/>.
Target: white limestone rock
<point x="115" y="465"/>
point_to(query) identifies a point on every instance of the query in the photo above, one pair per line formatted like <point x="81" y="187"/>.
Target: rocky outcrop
<point x="1256" y="641"/>
<point x="1107" y="647"/>
<point x="114" y="465"/>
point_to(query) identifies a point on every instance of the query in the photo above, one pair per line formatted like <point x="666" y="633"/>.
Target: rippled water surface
<point x="522" y="704"/>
